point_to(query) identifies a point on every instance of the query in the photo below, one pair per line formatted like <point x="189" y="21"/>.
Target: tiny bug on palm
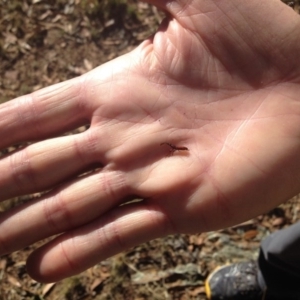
<point x="174" y="148"/>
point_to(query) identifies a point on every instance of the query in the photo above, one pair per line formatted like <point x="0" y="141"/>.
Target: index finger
<point x="44" y="113"/>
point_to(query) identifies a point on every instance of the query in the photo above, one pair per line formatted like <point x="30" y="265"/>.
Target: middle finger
<point x="42" y="165"/>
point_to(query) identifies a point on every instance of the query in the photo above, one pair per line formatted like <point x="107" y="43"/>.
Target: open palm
<point x="201" y="123"/>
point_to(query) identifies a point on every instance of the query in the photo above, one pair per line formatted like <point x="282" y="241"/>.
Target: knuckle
<point x="73" y="266"/>
<point x="56" y="213"/>
<point x="111" y="236"/>
<point x="86" y="148"/>
<point x="114" y="185"/>
<point x="27" y="113"/>
<point x="82" y="105"/>
<point x="21" y="170"/>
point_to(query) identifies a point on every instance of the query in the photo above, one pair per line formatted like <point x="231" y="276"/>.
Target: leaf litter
<point x="37" y="42"/>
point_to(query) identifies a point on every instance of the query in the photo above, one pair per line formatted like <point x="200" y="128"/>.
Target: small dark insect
<point x="174" y="148"/>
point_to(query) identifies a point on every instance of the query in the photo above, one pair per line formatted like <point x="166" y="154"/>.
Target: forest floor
<point x="45" y="42"/>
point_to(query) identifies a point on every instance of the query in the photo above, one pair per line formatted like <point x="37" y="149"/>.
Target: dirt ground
<point x="45" y="42"/>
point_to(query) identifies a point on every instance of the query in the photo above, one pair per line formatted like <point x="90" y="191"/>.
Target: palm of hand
<point x="222" y="92"/>
<point x="201" y="82"/>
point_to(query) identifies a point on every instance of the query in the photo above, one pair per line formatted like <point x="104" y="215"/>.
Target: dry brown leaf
<point x="278" y="221"/>
<point x="96" y="283"/>
<point x="3" y="264"/>
<point x="47" y="288"/>
<point x="87" y="64"/>
<point x="197" y="291"/>
<point x="13" y="281"/>
<point x="250" y="234"/>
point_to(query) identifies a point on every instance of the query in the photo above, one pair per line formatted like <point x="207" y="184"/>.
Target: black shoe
<point x="234" y="282"/>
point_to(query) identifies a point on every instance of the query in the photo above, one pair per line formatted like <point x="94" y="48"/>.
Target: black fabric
<point x="279" y="262"/>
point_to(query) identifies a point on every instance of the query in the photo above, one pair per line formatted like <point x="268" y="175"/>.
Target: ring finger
<point x="72" y="205"/>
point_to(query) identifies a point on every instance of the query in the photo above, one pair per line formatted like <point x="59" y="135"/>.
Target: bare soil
<point x="45" y="42"/>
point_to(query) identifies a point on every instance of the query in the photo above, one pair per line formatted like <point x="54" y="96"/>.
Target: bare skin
<point x="220" y="78"/>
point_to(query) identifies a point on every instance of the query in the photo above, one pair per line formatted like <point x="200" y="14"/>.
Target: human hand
<point x="220" y="78"/>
